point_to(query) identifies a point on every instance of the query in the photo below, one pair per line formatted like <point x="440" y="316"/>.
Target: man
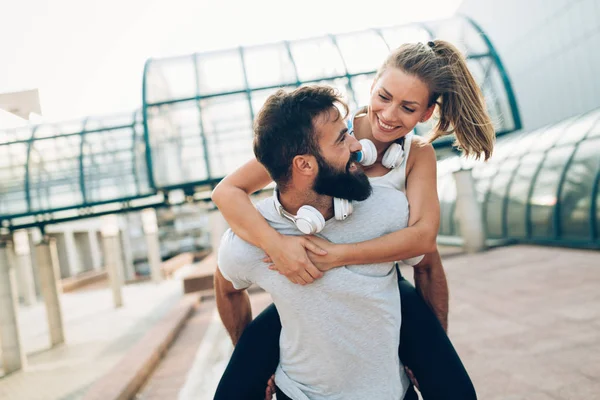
<point x="338" y="334"/>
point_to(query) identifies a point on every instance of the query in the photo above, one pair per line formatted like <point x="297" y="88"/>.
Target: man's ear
<point x="305" y="165"/>
<point x="428" y="113"/>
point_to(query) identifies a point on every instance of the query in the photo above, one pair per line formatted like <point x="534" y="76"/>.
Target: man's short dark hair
<point x="284" y="127"/>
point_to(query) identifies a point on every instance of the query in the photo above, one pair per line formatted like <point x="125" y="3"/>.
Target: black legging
<point x="424" y="348"/>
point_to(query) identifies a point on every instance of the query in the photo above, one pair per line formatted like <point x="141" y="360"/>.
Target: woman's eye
<point x="410" y="110"/>
<point x="383" y="97"/>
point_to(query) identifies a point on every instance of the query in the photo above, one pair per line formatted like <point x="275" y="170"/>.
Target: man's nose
<point x="354" y="144"/>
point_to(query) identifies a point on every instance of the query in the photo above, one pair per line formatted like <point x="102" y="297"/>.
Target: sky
<point x="87" y="57"/>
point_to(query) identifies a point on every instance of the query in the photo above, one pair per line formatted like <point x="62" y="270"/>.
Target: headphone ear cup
<point x="393" y="156"/>
<point x="368" y="155"/>
<point x="342" y="208"/>
<point x="309" y="220"/>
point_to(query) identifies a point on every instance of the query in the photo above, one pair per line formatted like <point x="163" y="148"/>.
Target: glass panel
<point x="13" y="160"/>
<point x="220" y="72"/>
<point x="447" y="194"/>
<point x="228" y="126"/>
<point x="550" y="135"/>
<point x="483" y="174"/>
<point x="268" y="66"/>
<point x="260" y="96"/>
<point x="342" y="85"/>
<point x="405" y="34"/>
<point x="176" y="140"/>
<point x="576" y="194"/>
<point x="495" y="201"/>
<point x="179" y="76"/>
<point x="97" y="123"/>
<point x="373" y="51"/>
<point x="54" y="173"/>
<point x="361" y="85"/>
<point x="14" y="135"/>
<point x="578" y="130"/>
<point x="505" y="146"/>
<point x="518" y="193"/>
<point x="109" y="161"/>
<point x="543" y="198"/>
<point x="316" y="59"/>
<point x="595" y="131"/>
<point x="527" y="143"/>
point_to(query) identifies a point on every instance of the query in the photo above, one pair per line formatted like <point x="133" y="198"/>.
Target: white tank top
<point x="395" y="178"/>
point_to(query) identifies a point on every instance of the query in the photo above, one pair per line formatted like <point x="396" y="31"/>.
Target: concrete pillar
<point x="113" y="256"/>
<point x="218" y="226"/>
<point x="75" y="263"/>
<point x="128" y="269"/>
<point x="13" y="355"/>
<point x="95" y="250"/>
<point x="61" y="251"/>
<point x="83" y="249"/>
<point x="48" y="267"/>
<point x="35" y="236"/>
<point x="468" y="211"/>
<point x="150" y="227"/>
<point x="24" y="267"/>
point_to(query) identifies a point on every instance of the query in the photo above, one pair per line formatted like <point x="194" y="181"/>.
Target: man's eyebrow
<point x="343" y="133"/>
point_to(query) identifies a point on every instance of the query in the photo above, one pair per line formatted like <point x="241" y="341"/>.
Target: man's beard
<point x="341" y="184"/>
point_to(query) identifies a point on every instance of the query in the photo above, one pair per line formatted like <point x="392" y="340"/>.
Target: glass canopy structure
<point x="539" y="187"/>
<point x="198" y="109"/>
<point x="72" y="169"/>
<point x="195" y="123"/>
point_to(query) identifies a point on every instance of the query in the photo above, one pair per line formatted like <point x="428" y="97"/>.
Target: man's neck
<point x="293" y="199"/>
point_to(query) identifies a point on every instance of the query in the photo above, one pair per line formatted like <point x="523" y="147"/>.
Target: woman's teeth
<point x="385" y="126"/>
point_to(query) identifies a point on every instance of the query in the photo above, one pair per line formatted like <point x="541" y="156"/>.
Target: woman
<point x="414" y="80"/>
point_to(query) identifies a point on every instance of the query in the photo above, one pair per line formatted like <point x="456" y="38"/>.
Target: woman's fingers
<point x="311" y="246"/>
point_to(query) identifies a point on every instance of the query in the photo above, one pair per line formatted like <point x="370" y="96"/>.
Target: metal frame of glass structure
<point x="70" y="170"/>
<point x="198" y="109"/>
<point x="538" y="187"/>
<point x="195" y="125"/>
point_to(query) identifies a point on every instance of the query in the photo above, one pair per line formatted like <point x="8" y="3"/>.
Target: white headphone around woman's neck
<point x="392" y="158"/>
<point x="308" y="219"/>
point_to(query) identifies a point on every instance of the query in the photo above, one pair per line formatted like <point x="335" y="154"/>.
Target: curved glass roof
<point x="200" y="107"/>
<point x="539" y="186"/>
<point x="52" y="168"/>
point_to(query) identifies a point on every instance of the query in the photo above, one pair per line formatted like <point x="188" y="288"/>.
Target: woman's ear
<point x="305" y="165"/>
<point x="428" y="113"/>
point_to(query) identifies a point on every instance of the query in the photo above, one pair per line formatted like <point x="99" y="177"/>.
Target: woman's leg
<point x="254" y="359"/>
<point x="427" y="351"/>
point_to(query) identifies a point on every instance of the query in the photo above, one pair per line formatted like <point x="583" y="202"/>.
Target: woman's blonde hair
<point x="443" y="68"/>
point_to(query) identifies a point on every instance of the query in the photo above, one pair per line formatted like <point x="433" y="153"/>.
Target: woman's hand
<point x="333" y="257"/>
<point x="329" y="256"/>
<point x="290" y="256"/>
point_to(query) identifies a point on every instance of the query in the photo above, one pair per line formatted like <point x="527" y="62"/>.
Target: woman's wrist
<point x="343" y="255"/>
<point x="269" y="240"/>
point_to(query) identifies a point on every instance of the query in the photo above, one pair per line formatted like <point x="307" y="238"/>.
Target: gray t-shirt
<point x="340" y="335"/>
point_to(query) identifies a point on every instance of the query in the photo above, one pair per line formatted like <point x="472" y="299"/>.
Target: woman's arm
<point x="417" y="239"/>
<point x="288" y="252"/>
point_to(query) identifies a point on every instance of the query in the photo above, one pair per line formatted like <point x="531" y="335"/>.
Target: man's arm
<point x="430" y="282"/>
<point x="233" y="305"/>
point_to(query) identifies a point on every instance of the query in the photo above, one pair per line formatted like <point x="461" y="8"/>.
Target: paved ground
<point x="526" y="321"/>
<point x="97" y="336"/>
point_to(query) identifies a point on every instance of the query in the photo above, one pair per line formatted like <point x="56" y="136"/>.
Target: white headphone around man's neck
<point x="309" y="220"/>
